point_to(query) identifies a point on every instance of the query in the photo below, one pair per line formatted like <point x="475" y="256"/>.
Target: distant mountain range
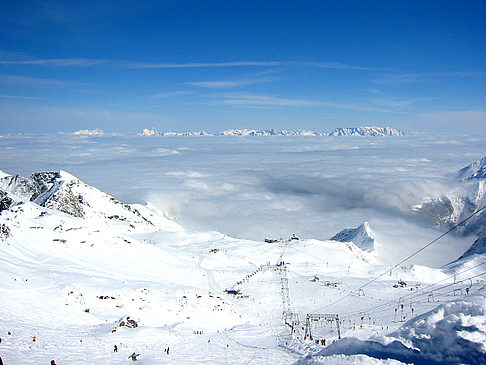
<point x="366" y="131"/>
<point x="356" y="131"/>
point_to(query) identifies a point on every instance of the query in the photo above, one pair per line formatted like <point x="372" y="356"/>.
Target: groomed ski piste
<point x="81" y="272"/>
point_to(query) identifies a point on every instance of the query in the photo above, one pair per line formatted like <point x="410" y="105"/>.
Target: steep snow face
<point x="474" y="171"/>
<point x="361" y="236"/>
<point x="366" y="131"/>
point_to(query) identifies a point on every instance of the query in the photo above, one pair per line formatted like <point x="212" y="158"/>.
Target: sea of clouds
<point x="268" y="187"/>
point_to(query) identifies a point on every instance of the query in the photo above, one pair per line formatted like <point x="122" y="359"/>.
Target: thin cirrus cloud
<point x="89" y="62"/>
<point x="170" y="94"/>
<point x="36" y="81"/>
<point x="226" y="84"/>
<point x="262" y="100"/>
<point x="397" y="103"/>
<point x="59" y="62"/>
<point x="3" y="96"/>
<point x="397" y="79"/>
<point x="208" y="64"/>
<point x="339" y="66"/>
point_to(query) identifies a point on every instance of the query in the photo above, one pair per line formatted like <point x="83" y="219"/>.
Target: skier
<point x="134" y="356"/>
<point x="115" y="348"/>
<point x="53" y="362"/>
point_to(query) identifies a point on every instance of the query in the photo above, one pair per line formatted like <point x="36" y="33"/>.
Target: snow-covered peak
<point x="361" y="236"/>
<point x="154" y="132"/>
<point x="191" y="133"/>
<point x="66" y="176"/>
<point x="89" y="132"/>
<point x="366" y="131"/>
<point x="150" y="132"/>
<point x="269" y="132"/>
<point x="61" y="191"/>
<point x="3" y="174"/>
<point x="473" y="171"/>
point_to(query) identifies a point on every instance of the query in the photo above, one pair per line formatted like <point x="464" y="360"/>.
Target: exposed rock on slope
<point x="449" y="209"/>
<point x="65" y="193"/>
<point x="474" y="171"/>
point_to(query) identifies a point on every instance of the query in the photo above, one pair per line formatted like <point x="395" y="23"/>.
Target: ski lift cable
<point x="437" y="290"/>
<point x="405" y="259"/>
<point x="416" y="295"/>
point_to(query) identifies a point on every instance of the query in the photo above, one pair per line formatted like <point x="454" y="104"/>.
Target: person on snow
<point x="53" y="362"/>
<point x="134" y="356"/>
<point x="115" y="348"/>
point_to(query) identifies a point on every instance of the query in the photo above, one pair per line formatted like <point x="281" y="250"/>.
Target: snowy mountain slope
<point x="361" y="236"/>
<point x="467" y="195"/>
<point x="72" y="279"/>
<point x="65" y="193"/>
<point x="474" y="171"/>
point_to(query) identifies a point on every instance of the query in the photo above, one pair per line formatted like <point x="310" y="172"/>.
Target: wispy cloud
<point x="262" y="100"/>
<point x="170" y="94"/>
<point x="60" y="62"/>
<point x="18" y="97"/>
<point x="226" y="84"/>
<point x="35" y="81"/>
<point x="90" y="62"/>
<point x="421" y="77"/>
<point x="209" y="64"/>
<point x="339" y="66"/>
<point x="396" y="103"/>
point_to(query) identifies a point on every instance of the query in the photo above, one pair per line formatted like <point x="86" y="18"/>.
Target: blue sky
<point x="182" y="65"/>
